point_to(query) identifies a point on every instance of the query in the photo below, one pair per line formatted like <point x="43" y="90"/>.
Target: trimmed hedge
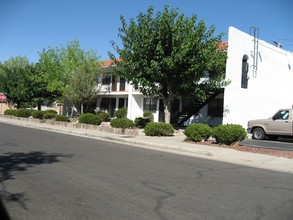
<point x="104" y="116"/>
<point x="158" y="129"/>
<point x="198" y="132"/>
<point x="38" y="114"/>
<point x="51" y="111"/>
<point x="61" y="118"/>
<point x="48" y="115"/>
<point x="148" y="115"/>
<point x="89" y="118"/>
<point x="9" y="112"/>
<point x="24" y="113"/>
<point x="141" y="122"/>
<point x="229" y="134"/>
<point x="121" y="113"/>
<point x="121" y="123"/>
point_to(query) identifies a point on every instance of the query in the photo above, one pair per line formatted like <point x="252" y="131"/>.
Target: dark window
<point x="215" y="108"/>
<point x="121" y="102"/>
<point x="149" y="104"/>
<point x="122" y="84"/>
<point x="106" y="80"/>
<point x="281" y="115"/>
<point x="244" y="76"/>
<point x="114" y="84"/>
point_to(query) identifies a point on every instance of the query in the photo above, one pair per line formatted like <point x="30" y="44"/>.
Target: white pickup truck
<point x="277" y="126"/>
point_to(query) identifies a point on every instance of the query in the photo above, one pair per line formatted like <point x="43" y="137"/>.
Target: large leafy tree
<point x="16" y="80"/>
<point x="82" y="85"/>
<point x="168" y="55"/>
<point x="57" y="66"/>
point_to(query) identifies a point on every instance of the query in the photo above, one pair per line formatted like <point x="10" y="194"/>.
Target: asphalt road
<point x="279" y="144"/>
<point x="46" y="175"/>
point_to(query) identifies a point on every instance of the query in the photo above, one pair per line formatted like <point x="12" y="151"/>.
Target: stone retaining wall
<point x="104" y="127"/>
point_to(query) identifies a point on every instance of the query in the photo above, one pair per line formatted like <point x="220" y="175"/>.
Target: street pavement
<point x="174" y="144"/>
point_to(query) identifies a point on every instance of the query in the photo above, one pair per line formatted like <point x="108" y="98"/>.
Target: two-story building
<point x="116" y="92"/>
<point x="261" y="78"/>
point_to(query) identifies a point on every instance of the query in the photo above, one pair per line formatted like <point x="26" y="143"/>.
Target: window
<point x="215" y="108"/>
<point x="106" y="80"/>
<point x="122" y="84"/>
<point x="149" y="104"/>
<point x="244" y="77"/>
<point x="121" y="102"/>
<point x="281" y="115"/>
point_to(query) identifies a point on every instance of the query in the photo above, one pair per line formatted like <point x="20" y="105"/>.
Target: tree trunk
<point x="167" y="108"/>
<point x="18" y="105"/>
<point x="39" y="105"/>
<point x="81" y="108"/>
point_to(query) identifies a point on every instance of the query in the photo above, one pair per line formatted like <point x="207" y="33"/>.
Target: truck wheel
<point x="258" y="134"/>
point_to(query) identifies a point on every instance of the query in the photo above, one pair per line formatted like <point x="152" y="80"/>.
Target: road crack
<point x="160" y="199"/>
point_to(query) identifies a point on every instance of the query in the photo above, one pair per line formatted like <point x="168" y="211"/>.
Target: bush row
<point x="224" y="134"/>
<point x="26" y="113"/>
<point x="228" y="134"/>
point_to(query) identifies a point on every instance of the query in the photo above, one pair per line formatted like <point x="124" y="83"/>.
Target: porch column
<point x="117" y="104"/>
<point x="98" y="103"/>
<point x="129" y="108"/>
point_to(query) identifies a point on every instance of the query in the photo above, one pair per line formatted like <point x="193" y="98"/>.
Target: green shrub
<point x="104" y="116"/>
<point x="9" y="112"/>
<point x="158" y="129"/>
<point x="121" y="113"/>
<point x="25" y="113"/>
<point x="48" y="115"/>
<point x="61" y="118"/>
<point x="51" y="111"/>
<point x="38" y="114"/>
<point x="229" y="134"/>
<point x="198" y="132"/>
<point x="121" y="123"/>
<point x="148" y="114"/>
<point x="89" y="118"/>
<point x="141" y="122"/>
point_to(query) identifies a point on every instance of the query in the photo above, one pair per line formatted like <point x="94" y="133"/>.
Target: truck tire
<point x="258" y="134"/>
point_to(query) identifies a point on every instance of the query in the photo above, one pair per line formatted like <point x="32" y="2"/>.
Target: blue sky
<point x="28" y="26"/>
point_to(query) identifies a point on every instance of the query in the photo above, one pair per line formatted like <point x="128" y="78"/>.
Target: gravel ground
<point x="278" y="153"/>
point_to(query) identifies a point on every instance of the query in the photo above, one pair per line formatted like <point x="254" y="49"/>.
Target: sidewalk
<point x="174" y="144"/>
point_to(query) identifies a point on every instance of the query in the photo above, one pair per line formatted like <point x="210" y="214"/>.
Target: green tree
<point x="41" y="92"/>
<point x="15" y="80"/>
<point x="57" y="65"/>
<point x="168" y="56"/>
<point x="82" y="86"/>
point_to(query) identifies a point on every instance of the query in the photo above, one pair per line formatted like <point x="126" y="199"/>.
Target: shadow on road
<point x="12" y="162"/>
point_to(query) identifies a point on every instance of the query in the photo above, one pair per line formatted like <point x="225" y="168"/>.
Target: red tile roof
<point x="107" y="63"/>
<point x="223" y="45"/>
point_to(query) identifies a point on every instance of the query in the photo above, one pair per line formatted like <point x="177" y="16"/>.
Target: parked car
<point x="277" y="126"/>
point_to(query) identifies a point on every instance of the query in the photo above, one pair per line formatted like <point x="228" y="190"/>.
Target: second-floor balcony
<point x="110" y="84"/>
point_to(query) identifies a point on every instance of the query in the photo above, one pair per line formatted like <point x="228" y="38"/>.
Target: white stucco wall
<point x="268" y="90"/>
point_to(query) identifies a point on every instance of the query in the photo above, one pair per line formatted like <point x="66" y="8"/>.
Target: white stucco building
<point x="117" y="92"/>
<point x="261" y="77"/>
<point x="261" y="82"/>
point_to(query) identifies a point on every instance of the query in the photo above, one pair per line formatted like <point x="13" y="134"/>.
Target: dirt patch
<point x="273" y="152"/>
